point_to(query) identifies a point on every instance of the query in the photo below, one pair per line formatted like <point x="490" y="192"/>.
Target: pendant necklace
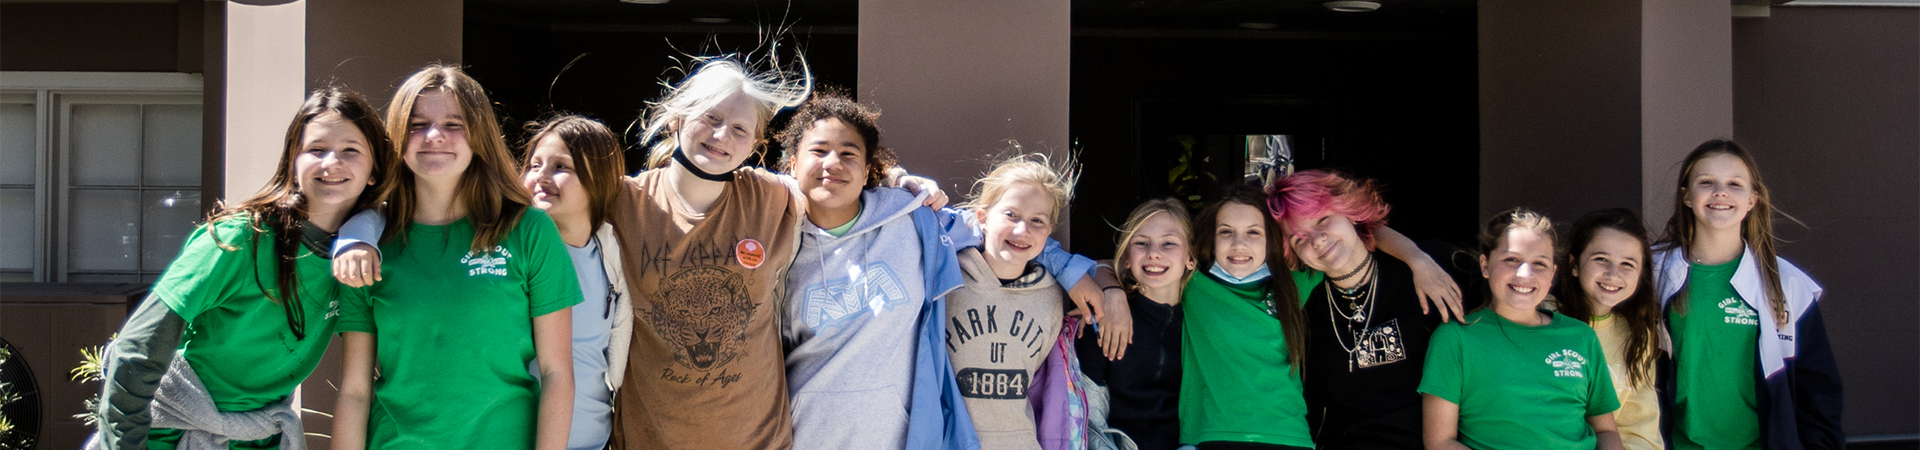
<point x="1360" y="299"/>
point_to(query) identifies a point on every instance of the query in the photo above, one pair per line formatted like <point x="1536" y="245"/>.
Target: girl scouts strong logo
<point x="489" y="263"/>
<point x="1738" y="313"/>
<point x="1567" y="363"/>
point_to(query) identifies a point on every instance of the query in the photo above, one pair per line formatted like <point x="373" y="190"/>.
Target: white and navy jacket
<point x="1800" y="393"/>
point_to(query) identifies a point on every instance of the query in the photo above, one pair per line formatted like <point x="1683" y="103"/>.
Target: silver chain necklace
<point x="1363" y="318"/>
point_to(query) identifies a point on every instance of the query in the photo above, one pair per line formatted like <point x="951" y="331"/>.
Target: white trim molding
<point x="104" y="81"/>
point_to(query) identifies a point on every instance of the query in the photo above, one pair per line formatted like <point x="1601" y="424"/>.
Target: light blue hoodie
<point x="852" y="298"/>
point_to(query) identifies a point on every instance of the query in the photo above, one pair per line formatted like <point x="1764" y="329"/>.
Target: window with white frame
<point x="102" y="180"/>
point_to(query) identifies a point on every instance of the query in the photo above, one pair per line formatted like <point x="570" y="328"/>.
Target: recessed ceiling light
<point x="1259" y="25"/>
<point x="1352" y="6"/>
<point x="710" y="20"/>
<point x="646" y="2"/>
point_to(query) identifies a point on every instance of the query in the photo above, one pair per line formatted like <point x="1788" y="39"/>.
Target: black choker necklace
<point x="1364" y="264"/>
<point x="681" y="156"/>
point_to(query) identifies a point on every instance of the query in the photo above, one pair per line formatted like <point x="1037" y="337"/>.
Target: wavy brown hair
<point x="598" y="159"/>
<point x="1756" y="230"/>
<point x="1286" y="296"/>
<point x="1640" y="312"/>
<point x="489" y="188"/>
<point x="280" y="208"/>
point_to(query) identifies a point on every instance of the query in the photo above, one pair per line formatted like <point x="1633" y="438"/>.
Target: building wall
<point x="1828" y="99"/>
<point x="1560" y="123"/>
<point x="145" y="37"/>
<point x="958" y="79"/>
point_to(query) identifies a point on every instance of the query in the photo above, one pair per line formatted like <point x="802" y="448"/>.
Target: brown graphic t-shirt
<point x="705" y="370"/>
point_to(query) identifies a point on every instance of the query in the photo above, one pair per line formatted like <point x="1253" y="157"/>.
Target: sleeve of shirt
<point x="551" y="282"/>
<point x="356" y="310"/>
<point x="1600" y="396"/>
<point x="1066" y="268"/>
<point x="364" y="227"/>
<point x="962" y="227"/>
<point x="200" y="278"/>
<point x="1444" y="372"/>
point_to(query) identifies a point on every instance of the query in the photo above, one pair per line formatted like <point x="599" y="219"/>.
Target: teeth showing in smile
<point x="1016" y="246"/>
<point x="1609" y="288"/>
<point x="1718" y="207"/>
<point x="1239" y="259"/>
<point x="332" y="180"/>
<point x="1153" y="270"/>
<point x="1523" y="290"/>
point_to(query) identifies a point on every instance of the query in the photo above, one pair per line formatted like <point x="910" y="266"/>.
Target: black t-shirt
<point x="1366" y="399"/>
<point x="1145" y="384"/>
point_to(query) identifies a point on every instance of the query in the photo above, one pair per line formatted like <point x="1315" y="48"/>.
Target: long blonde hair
<point x="1170" y="207"/>
<point x="716" y="79"/>
<point x="1056" y="178"/>
<point x="489" y="188"/>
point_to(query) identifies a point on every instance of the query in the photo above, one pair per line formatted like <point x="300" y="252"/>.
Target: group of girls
<point x="557" y="303"/>
<point x="1704" y="339"/>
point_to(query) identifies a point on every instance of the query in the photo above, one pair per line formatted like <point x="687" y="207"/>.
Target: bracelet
<point x="1104" y="289"/>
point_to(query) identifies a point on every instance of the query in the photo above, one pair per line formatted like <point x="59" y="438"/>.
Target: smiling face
<point x="334" y="165"/>
<point x="1720" y="192"/>
<point x="720" y="139"/>
<point x="1016" y="227"/>
<point x="1327" y="242"/>
<point x="1519" y="270"/>
<point x="1240" y="239"/>
<point x="1157" y="256"/>
<point x="831" y="165"/>
<point x="553" y="180"/>
<point x="1609" y="269"/>
<point x="437" y="150"/>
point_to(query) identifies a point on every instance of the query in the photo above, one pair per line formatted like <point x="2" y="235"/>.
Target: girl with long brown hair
<point x="477" y="288"/>
<point x="250" y="296"/>
<point x="1735" y="309"/>
<point x="1606" y="282"/>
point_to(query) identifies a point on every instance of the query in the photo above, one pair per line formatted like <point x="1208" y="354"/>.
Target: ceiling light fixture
<point x="1352" y="5"/>
<point x="646" y="2"/>
<point x="1259" y="25"/>
<point x="710" y="20"/>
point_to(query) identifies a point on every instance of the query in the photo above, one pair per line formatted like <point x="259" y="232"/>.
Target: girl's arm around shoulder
<point x="1606" y="434"/>
<point x="356" y="249"/>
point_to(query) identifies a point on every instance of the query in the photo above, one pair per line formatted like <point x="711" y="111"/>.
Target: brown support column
<point x="957" y="79"/>
<point x="1686" y="96"/>
<point x="371" y="45"/>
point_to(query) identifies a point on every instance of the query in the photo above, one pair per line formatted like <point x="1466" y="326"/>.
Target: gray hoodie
<point x="852" y="304"/>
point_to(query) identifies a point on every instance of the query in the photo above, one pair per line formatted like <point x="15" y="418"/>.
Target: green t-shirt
<point x="1715" y="399"/>
<point x="1531" y="387"/>
<point x="1236" y="383"/>
<point x="237" y="338"/>
<point x="454" y="334"/>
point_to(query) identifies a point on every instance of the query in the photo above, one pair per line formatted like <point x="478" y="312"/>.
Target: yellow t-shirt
<point x="1639" y="414"/>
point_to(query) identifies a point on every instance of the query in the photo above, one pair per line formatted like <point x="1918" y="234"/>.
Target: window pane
<point x="16" y="143"/>
<point x="169" y="217"/>
<point x="173" y="145"/>
<point x="16" y="229"/>
<point x="103" y="230"/>
<point x="106" y="145"/>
